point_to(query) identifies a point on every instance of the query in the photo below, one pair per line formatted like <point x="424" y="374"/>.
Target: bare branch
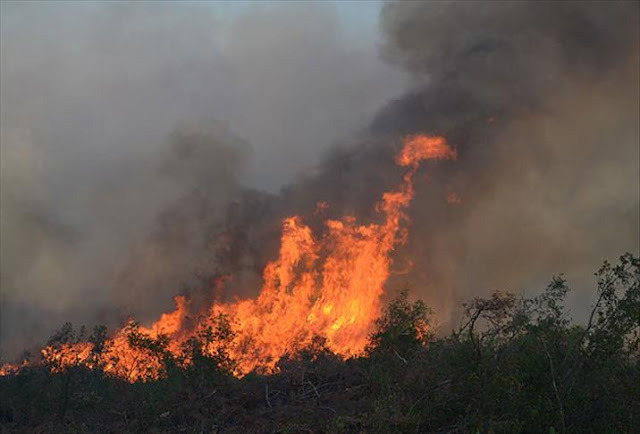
<point x="314" y="388"/>
<point x="555" y="386"/>
<point x="401" y="358"/>
<point x="266" y="395"/>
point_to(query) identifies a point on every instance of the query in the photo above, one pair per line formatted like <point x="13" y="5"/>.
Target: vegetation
<point x="514" y="365"/>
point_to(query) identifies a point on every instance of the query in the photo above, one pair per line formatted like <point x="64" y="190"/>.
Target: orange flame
<point x="328" y="286"/>
<point x="417" y="148"/>
<point x="453" y="199"/>
<point x="320" y="207"/>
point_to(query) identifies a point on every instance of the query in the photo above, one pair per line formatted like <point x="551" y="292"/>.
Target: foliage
<point x="515" y="364"/>
<point x="207" y="353"/>
<point x="404" y="326"/>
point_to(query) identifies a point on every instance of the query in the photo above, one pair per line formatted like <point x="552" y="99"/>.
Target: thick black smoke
<point x="542" y="101"/>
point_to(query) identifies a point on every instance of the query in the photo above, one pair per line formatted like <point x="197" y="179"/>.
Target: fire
<point x="418" y="147"/>
<point x="320" y="207"/>
<point x="453" y="199"/>
<point x="329" y="286"/>
<point x="10" y="368"/>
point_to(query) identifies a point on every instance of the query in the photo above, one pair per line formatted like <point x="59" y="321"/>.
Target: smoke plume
<point x="542" y="100"/>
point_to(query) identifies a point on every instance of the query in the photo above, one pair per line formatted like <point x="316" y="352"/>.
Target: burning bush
<point x="515" y="364"/>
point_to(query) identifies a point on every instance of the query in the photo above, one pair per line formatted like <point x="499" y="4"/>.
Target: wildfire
<point x="417" y="148"/>
<point x="329" y="286"/>
<point x="453" y="199"/>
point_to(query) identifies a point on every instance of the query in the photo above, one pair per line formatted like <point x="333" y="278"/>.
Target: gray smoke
<point x="108" y="217"/>
<point x="542" y="100"/>
<point x="116" y="183"/>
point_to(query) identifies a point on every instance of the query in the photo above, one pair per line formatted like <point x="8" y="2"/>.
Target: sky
<point x="100" y="63"/>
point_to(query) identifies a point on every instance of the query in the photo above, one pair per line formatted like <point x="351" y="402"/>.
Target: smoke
<point x="116" y="182"/>
<point x="103" y="215"/>
<point x="542" y="100"/>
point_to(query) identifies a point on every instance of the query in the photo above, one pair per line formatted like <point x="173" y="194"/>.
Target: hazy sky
<point x="290" y="78"/>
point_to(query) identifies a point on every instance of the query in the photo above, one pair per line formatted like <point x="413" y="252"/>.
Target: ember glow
<point x="453" y="199"/>
<point x="329" y="286"/>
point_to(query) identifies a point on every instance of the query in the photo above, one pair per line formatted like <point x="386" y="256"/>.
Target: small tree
<point x="402" y="329"/>
<point x="207" y="353"/>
